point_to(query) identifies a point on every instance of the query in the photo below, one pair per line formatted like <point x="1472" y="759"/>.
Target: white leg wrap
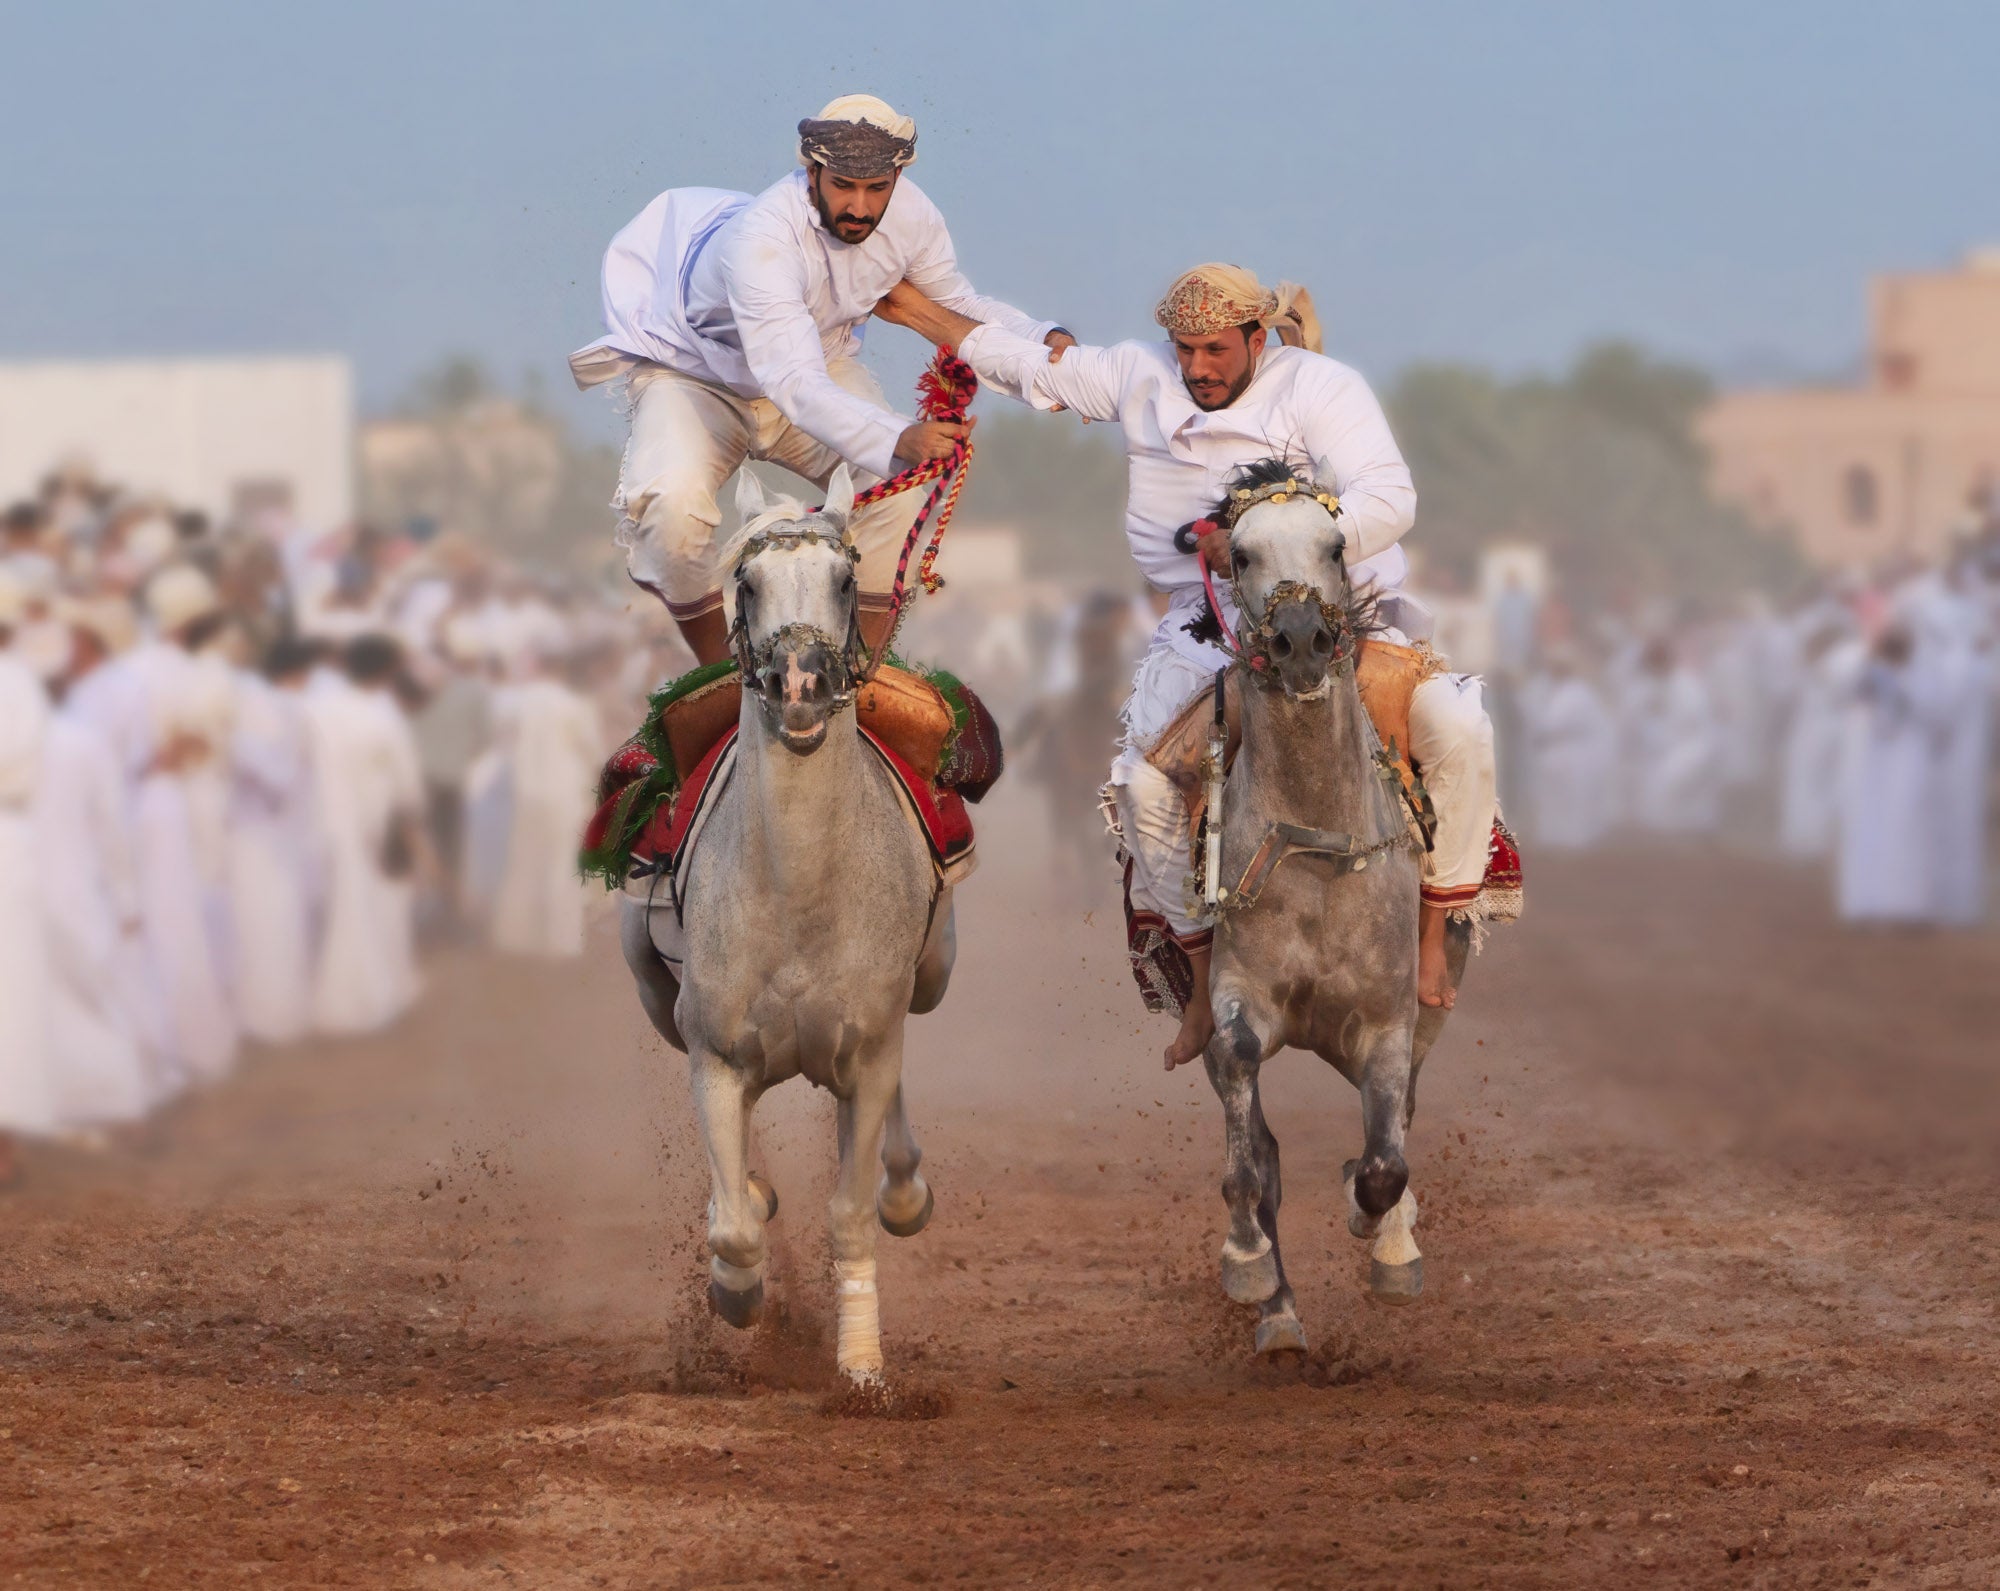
<point x="1395" y="1238"/>
<point x="859" y="1352"/>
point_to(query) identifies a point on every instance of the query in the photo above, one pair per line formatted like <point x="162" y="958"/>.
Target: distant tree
<point x="1061" y="484"/>
<point x="466" y="456"/>
<point x="1602" y="468"/>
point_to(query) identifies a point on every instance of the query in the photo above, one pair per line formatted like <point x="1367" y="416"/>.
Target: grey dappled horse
<point x="813" y="925"/>
<point x="1324" y="956"/>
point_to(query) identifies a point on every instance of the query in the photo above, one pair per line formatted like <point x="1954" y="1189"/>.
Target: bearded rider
<point x="1218" y="395"/>
<point x="737" y="324"/>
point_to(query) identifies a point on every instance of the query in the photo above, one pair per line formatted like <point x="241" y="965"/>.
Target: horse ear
<point x="750" y="499"/>
<point x="839" y="495"/>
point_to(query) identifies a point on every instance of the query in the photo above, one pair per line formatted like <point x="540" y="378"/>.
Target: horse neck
<point x="1311" y="762"/>
<point x="794" y="806"/>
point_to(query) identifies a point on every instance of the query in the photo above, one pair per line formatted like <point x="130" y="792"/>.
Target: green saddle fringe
<point x="611" y="861"/>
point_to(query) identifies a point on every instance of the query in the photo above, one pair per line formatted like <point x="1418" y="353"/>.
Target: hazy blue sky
<point x="1488" y="181"/>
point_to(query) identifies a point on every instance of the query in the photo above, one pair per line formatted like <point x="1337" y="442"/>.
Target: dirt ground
<point x="1711" y="1220"/>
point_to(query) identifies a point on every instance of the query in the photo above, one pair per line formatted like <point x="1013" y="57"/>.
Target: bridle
<point x="755" y="660"/>
<point x="1251" y="641"/>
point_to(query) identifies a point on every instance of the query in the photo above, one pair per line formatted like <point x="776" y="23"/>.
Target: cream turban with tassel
<point x="1212" y="298"/>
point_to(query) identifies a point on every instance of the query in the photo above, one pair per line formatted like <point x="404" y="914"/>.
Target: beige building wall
<point x="1861" y="473"/>
<point x="192" y="430"/>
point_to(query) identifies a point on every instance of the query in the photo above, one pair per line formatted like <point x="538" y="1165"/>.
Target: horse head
<point x="797" y="635"/>
<point x="1301" y="617"/>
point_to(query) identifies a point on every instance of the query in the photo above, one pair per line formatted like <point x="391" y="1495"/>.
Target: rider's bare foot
<point x="1434" y="985"/>
<point x="1197" y="1019"/>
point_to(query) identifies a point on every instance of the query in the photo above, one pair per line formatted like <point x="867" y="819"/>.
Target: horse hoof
<point x="913" y="1226"/>
<point x="1252" y="1280"/>
<point x="767" y="1193"/>
<point x="737" y="1309"/>
<point x="1281" y="1334"/>
<point x="1396" y="1284"/>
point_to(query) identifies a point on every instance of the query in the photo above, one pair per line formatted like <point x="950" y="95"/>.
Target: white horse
<point x="813" y="924"/>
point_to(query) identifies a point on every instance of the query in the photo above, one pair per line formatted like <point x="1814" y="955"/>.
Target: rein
<point x="944" y="392"/>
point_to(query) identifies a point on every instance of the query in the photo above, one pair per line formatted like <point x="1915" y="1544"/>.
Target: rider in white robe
<point x="368" y="787"/>
<point x="27" y="1097"/>
<point x="738" y="324"/>
<point x="1187" y="427"/>
<point x="272" y="852"/>
<point x="554" y="746"/>
<point x="1889" y="786"/>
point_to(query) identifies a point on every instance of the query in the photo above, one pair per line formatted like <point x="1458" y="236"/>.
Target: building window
<point x="1860" y="493"/>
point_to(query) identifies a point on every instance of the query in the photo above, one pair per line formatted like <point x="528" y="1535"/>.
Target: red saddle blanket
<point x="669" y="840"/>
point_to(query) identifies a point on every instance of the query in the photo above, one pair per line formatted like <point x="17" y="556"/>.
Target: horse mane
<point x="1356" y="607"/>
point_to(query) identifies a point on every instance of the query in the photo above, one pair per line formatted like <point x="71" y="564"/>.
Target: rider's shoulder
<point x="1316" y="372"/>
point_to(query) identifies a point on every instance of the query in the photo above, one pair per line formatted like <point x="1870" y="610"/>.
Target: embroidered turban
<point x="858" y="136"/>
<point x="1212" y="298"/>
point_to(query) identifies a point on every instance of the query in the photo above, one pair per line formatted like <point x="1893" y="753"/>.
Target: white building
<point x="197" y="431"/>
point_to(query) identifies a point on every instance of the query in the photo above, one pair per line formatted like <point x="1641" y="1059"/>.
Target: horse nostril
<point x="1281" y="645"/>
<point x="1322" y="644"/>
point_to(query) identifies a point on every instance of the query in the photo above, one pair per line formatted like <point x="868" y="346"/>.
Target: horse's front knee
<point x="1379" y="1182"/>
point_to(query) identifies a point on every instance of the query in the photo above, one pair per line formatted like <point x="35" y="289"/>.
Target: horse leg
<point x="1278" y="1325"/>
<point x="1380" y="1204"/>
<point x="1432" y="1018"/>
<point x="851" y="1211"/>
<point x="1250" y="1272"/>
<point x="736" y="1210"/>
<point x="659" y="989"/>
<point x="935" y="961"/>
<point x="904" y="1200"/>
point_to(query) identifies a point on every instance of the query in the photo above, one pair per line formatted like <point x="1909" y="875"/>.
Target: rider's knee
<point x="1449" y="725"/>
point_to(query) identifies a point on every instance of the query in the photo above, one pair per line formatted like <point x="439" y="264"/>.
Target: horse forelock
<point x="783" y="511"/>
<point x="1356" y="606"/>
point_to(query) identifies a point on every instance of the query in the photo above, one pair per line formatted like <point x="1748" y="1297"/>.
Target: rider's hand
<point x="1211" y="546"/>
<point x="1056" y="342"/>
<point x="932" y="439"/>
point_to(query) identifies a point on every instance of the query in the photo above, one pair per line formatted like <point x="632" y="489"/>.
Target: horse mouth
<point x="801" y="732"/>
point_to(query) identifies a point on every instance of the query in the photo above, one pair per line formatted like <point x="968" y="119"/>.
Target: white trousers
<point x="1451" y="742"/>
<point x="688" y="437"/>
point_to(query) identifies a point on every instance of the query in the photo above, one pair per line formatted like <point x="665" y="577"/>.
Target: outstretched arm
<point x="1068" y="375"/>
<point x="934" y="272"/>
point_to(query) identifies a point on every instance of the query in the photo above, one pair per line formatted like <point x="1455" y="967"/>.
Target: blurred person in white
<point x="108" y="1041"/>
<point x="454" y="728"/>
<point x="1830" y="660"/>
<point x="273" y="855"/>
<point x="738" y="324"/>
<point x="554" y="745"/>
<point x="1956" y="632"/>
<point x="1572" y="752"/>
<point x="1671" y="718"/>
<point x="165" y="713"/>
<point x="27" y="1099"/>
<point x="1896" y="716"/>
<point x="369" y="797"/>
<point x="1212" y="398"/>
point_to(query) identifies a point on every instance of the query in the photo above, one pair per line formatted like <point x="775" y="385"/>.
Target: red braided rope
<point x="944" y="392"/>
